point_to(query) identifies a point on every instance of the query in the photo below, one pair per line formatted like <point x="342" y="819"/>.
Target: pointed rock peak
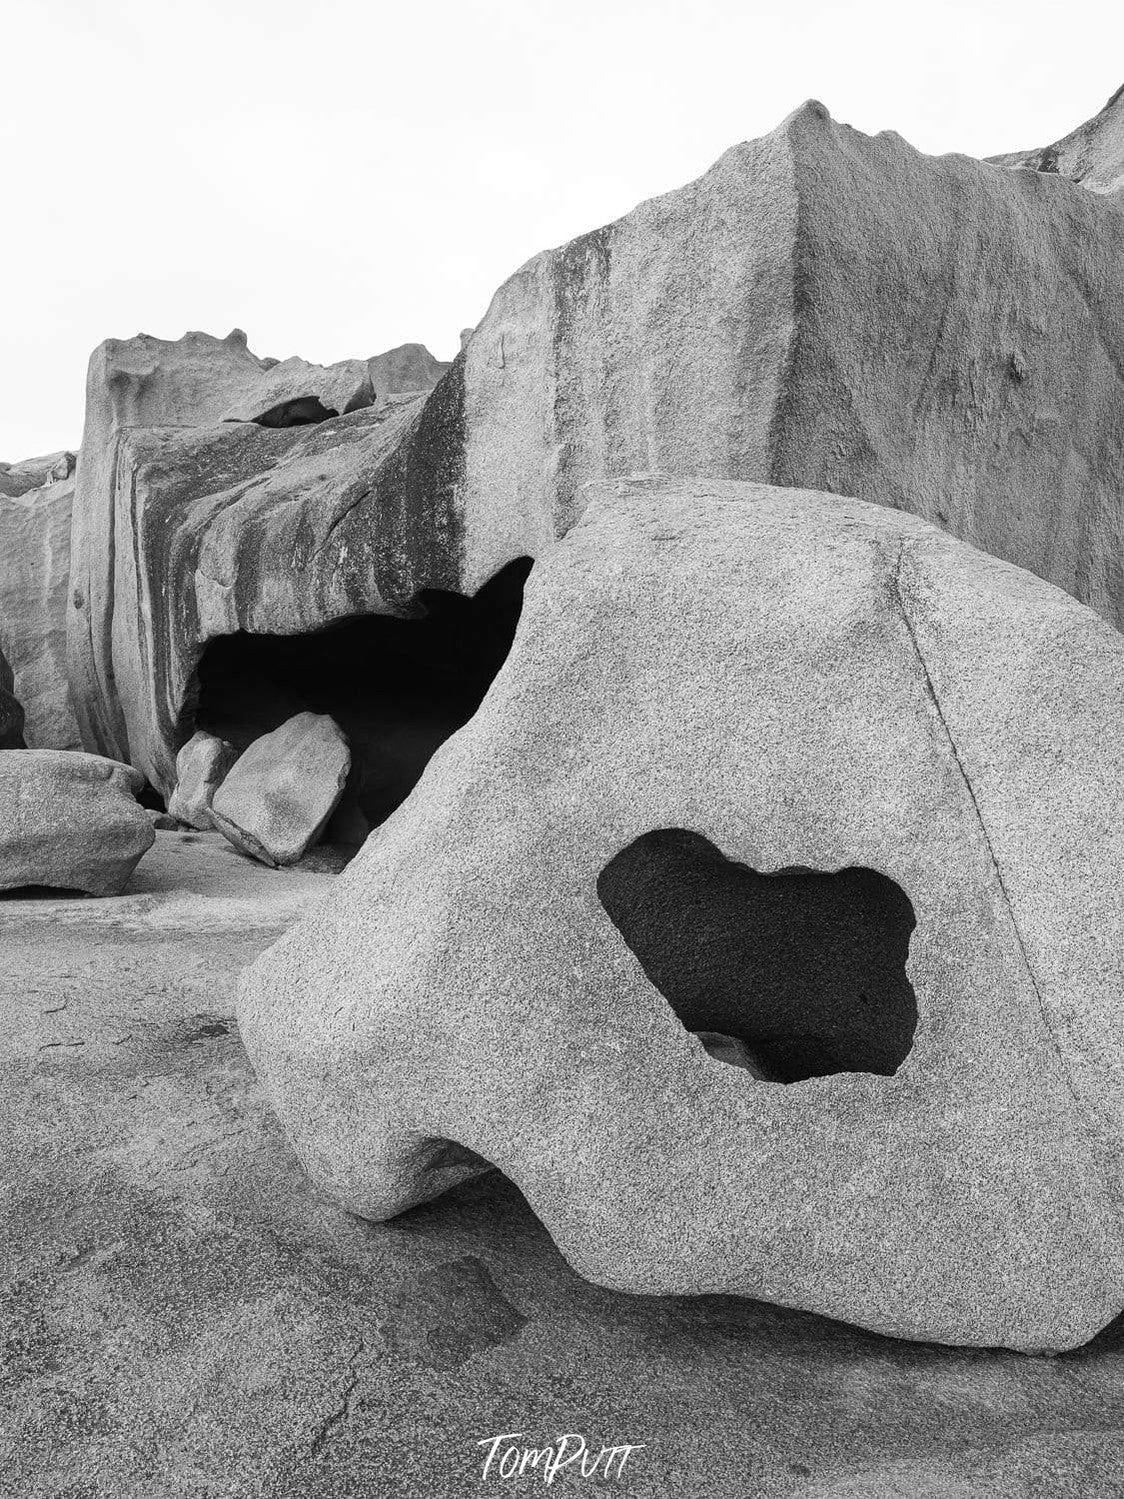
<point x="1093" y="154"/>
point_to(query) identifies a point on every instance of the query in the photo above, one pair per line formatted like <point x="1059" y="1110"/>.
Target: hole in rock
<point x="301" y="411"/>
<point x="397" y="687"/>
<point x="802" y="970"/>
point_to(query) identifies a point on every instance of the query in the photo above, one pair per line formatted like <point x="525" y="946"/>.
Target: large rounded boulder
<point x="764" y="926"/>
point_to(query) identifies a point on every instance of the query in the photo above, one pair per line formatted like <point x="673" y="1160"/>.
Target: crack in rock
<point x="898" y="600"/>
<point x="343" y="1411"/>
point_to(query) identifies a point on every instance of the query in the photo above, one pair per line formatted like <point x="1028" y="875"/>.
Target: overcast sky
<point x="340" y="176"/>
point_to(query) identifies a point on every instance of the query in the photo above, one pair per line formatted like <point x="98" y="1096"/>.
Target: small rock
<point x="274" y="803"/>
<point x="201" y="767"/>
<point x="731" y="1050"/>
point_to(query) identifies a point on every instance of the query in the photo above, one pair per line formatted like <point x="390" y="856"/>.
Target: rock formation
<point x="276" y="798"/>
<point x="830" y="310"/>
<point x="820" y="309"/>
<point x="193" y="527"/>
<point x="32" y="473"/>
<point x="803" y="685"/>
<point x="70" y="821"/>
<point x="410" y="369"/>
<point x="1093" y="154"/>
<point x="36" y="498"/>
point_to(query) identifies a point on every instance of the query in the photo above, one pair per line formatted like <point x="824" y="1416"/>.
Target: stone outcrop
<point x="191" y="527"/>
<point x="820" y="309"/>
<point x="796" y="685"/>
<point x="276" y="799"/>
<point x="132" y="386"/>
<point x="201" y="767"/>
<point x="406" y="370"/>
<point x="1092" y="155"/>
<point x="35" y="520"/>
<point x="830" y="310"/>
<point x="11" y="710"/>
<point x="70" y="821"/>
<point x="32" y="473"/>
<point x="294" y="393"/>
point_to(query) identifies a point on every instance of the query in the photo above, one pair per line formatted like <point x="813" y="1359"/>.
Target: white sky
<point x="339" y="176"/>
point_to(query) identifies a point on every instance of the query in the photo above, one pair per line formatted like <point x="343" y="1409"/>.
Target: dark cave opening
<point x="397" y="687"/>
<point x="299" y="411"/>
<point x="800" y="971"/>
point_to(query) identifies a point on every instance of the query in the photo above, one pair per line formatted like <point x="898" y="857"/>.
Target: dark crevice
<point x="793" y="974"/>
<point x="397" y="687"/>
<point x="300" y="411"/>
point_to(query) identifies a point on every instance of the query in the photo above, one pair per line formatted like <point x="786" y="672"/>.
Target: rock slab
<point x="812" y="684"/>
<point x="277" y="798"/>
<point x="70" y="821"/>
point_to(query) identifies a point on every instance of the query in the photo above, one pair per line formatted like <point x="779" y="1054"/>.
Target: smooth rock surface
<point x="34" y="577"/>
<point x="185" y="1317"/>
<point x="70" y="821"/>
<point x="811" y="683"/>
<point x="201" y="767"/>
<point x="275" y="801"/>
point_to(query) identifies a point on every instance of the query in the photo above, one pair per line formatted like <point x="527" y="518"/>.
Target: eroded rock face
<point x="1093" y="154"/>
<point x="191" y="526"/>
<point x="931" y="333"/>
<point x="810" y="684"/>
<point x="294" y="393"/>
<point x="937" y="335"/>
<point x="32" y="473"/>
<point x="35" y="522"/>
<point x="70" y="821"/>
<point x="274" y="802"/>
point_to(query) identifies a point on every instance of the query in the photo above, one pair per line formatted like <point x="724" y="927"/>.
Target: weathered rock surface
<point x="294" y="393"/>
<point x="11" y="710"/>
<point x="828" y="310"/>
<point x="162" y="1254"/>
<point x="201" y="767"/>
<point x="1093" y="154"/>
<point x="189" y="527"/>
<point x="274" y="802"/>
<point x="34" y="575"/>
<point x="70" y="821"/>
<point x="939" y="335"/>
<point x="811" y="684"/>
<point x="32" y="473"/>
<point x="406" y="370"/>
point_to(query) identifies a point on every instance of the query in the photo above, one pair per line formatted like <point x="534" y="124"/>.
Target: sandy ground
<point x="182" y="1314"/>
